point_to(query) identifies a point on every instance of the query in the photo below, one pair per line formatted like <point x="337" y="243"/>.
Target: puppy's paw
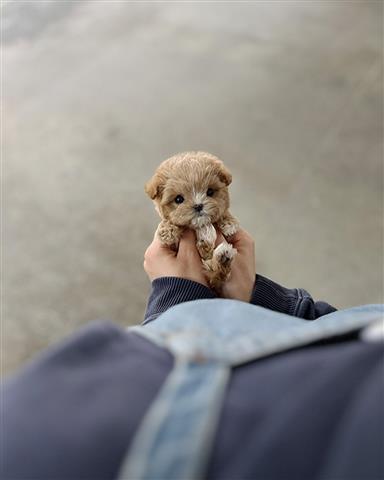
<point x="228" y="229"/>
<point x="224" y="253"/>
<point x="205" y="249"/>
<point x="169" y="234"/>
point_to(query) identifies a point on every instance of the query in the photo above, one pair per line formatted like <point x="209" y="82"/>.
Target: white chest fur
<point x="206" y="234"/>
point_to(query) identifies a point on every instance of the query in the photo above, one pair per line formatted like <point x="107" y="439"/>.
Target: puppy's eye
<point x="210" y="192"/>
<point x="179" y="199"/>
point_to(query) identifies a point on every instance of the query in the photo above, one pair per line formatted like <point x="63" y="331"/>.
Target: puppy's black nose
<point x="198" y="207"/>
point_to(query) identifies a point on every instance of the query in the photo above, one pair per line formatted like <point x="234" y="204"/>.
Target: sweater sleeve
<point x="295" y="301"/>
<point x="169" y="291"/>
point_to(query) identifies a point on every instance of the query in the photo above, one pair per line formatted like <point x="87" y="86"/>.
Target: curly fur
<point x="201" y="179"/>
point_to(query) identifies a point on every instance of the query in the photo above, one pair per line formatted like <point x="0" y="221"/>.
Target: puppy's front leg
<point x="169" y="234"/>
<point x="206" y="237"/>
<point x="219" y="267"/>
<point x="228" y="225"/>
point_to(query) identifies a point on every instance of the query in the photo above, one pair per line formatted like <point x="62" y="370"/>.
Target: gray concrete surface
<point x="96" y="94"/>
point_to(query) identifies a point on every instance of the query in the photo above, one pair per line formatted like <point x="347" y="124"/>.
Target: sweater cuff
<point x="273" y="296"/>
<point x="291" y="301"/>
<point x="169" y="291"/>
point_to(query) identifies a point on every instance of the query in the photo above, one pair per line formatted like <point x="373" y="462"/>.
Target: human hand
<point x="239" y="286"/>
<point x="161" y="261"/>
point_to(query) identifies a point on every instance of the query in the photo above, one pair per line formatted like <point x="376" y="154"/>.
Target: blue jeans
<point x="207" y="339"/>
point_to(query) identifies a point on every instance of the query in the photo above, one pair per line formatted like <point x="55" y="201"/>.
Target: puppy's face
<point x="190" y="189"/>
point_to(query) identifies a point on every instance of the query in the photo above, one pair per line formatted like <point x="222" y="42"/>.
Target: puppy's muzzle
<point x="198" y="208"/>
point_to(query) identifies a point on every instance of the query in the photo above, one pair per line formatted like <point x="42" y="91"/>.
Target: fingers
<point x="219" y="238"/>
<point x="187" y="245"/>
<point x="242" y="240"/>
<point x="156" y="248"/>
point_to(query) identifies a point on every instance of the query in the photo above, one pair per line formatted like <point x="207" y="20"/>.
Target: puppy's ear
<point x="224" y="174"/>
<point x="155" y="186"/>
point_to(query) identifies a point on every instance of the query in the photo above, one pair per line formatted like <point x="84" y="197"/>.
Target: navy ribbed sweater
<point x="169" y="291"/>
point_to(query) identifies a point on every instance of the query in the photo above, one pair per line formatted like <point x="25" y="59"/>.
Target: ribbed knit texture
<point x="296" y="301"/>
<point x="269" y="294"/>
<point x="169" y="291"/>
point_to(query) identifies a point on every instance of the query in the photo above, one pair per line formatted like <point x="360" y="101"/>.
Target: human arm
<point x="291" y="301"/>
<point x="176" y="277"/>
<point x="244" y="284"/>
<point x="179" y="277"/>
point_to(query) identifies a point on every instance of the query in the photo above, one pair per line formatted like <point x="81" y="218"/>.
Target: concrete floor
<point x="287" y="93"/>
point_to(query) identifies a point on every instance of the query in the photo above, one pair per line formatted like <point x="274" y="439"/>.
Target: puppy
<point x="190" y="190"/>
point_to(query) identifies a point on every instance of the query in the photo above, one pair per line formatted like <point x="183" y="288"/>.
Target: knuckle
<point x="147" y="254"/>
<point x="248" y="239"/>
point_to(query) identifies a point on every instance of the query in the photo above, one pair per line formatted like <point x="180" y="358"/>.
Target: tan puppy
<point x="190" y="190"/>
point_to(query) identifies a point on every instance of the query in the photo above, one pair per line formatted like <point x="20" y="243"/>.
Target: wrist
<point x="168" y="291"/>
